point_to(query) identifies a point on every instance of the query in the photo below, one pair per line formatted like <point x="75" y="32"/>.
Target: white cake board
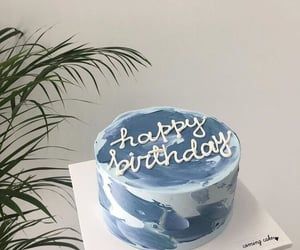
<point x="249" y="224"/>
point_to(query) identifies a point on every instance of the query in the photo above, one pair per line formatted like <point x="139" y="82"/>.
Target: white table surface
<point x="249" y="223"/>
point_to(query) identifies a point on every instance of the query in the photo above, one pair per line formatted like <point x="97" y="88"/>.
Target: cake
<point x="166" y="177"/>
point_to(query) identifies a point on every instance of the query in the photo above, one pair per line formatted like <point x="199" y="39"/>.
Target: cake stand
<point x="250" y="227"/>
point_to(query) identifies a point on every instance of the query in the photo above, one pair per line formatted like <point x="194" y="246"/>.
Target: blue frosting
<point x="180" y="206"/>
<point x="167" y="228"/>
<point x="211" y="168"/>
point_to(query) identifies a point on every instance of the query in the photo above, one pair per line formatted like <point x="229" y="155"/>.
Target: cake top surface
<point x="167" y="147"/>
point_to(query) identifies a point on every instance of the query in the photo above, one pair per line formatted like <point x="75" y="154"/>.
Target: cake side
<point x="150" y="220"/>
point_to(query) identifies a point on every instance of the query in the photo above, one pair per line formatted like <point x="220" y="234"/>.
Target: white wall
<point x="237" y="60"/>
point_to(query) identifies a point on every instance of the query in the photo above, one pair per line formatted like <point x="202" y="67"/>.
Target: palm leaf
<point x="51" y="238"/>
<point x="27" y="67"/>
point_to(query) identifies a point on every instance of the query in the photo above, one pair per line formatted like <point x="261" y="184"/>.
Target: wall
<point x="236" y="60"/>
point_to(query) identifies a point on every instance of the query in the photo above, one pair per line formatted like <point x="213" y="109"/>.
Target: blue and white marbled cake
<point x="166" y="177"/>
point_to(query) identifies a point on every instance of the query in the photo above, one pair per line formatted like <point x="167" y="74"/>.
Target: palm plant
<point x="28" y="67"/>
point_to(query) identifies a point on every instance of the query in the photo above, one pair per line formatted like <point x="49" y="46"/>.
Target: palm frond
<point x="27" y="67"/>
<point x="10" y="227"/>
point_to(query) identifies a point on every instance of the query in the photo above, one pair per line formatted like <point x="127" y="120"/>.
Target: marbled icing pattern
<point x="177" y="207"/>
